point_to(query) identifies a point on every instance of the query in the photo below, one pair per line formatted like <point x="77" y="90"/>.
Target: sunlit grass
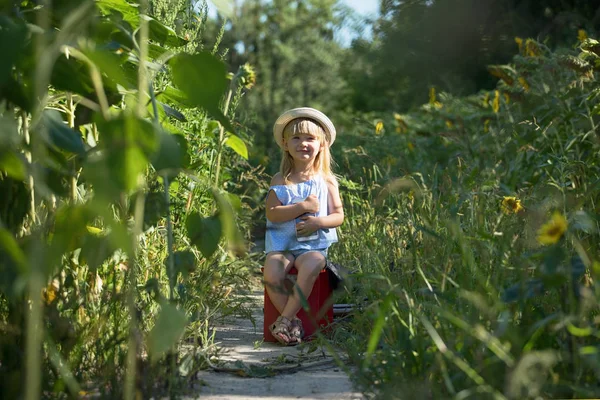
<point x="486" y="275"/>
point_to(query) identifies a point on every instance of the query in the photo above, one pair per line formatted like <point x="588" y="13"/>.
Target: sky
<point x="364" y="7"/>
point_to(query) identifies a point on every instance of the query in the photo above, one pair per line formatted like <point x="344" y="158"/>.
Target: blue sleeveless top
<point x="281" y="236"/>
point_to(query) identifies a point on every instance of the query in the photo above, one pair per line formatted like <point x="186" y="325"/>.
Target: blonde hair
<point x="323" y="160"/>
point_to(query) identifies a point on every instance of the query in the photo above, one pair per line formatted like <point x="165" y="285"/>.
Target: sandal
<point x="280" y="329"/>
<point x="296" y="330"/>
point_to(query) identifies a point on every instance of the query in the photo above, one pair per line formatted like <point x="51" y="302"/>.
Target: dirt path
<point x="268" y="370"/>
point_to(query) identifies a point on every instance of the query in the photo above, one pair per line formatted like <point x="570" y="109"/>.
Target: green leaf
<point x="187" y="365"/>
<point x="56" y="178"/>
<point x="204" y="233"/>
<point x="157" y="32"/>
<point x="162" y="34"/>
<point x="167" y="331"/>
<point x="228" y="220"/>
<point x="203" y="79"/>
<point x="12" y="165"/>
<point x="577" y="267"/>
<point x="14" y="203"/>
<point x="126" y="10"/>
<point x="70" y="228"/>
<point x="378" y="328"/>
<point x="72" y="75"/>
<point x="553" y="258"/>
<point x="127" y="144"/>
<point x="167" y="126"/>
<point x="119" y="233"/>
<point x="152" y="286"/>
<point x="184" y="262"/>
<point x="12" y="41"/>
<point x="172" y="154"/>
<point x="155" y="51"/>
<point x="15" y="93"/>
<point x="155" y="208"/>
<point x="116" y="172"/>
<point x="212" y="127"/>
<point x="588" y="351"/>
<point x="523" y="290"/>
<point x="110" y="64"/>
<point x="236" y="144"/>
<point x="171" y="112"/>
<point x="175" y="96"/>
<point x="95" y="250"/>
<point x="235" y="201"/>
<point x="9" y="133"/>
<point x="58" y="134"/>
<point x="9" y="246"/>
<point x="579" y="332"/>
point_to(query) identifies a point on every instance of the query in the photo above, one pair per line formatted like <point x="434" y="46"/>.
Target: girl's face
<point x="303" y="146"/>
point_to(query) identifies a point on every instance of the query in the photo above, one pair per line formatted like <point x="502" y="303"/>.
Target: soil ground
<point x="295" y="373"/>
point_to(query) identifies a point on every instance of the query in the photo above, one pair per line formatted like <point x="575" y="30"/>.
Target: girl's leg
<point x="276" y="267"/>
<point x="308" y="265"/>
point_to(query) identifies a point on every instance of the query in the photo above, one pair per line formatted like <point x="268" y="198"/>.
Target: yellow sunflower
<point x="496" y="101"/>
<point x="511" y="205"/>
<point x="519" y="42"/>
<point x="246" y="75"/>
<point x="553" y="230"/>
<point x="524" y="83"/>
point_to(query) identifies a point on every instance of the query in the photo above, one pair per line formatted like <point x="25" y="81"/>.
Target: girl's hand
<point x="308" y="225"/>
<point x="311" y="204"/>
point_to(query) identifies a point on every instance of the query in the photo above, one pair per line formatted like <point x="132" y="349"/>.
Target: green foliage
<point x="205" y="233"/>
<point x="167" y="331"/>
<point x="128" y="196"/>
<point x="467" y="295"/>
<point x="294" y="48"/>
<point x="448" y="44"/>
<point x="59" y="135"/>
<point x="99" y="276"/>
<point x="237" y="145"/>
<point x="203" y="80"/>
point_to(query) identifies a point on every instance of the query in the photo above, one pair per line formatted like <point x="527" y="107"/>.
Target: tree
<point x="292" y="44"/>
<point x="449" y="43"/>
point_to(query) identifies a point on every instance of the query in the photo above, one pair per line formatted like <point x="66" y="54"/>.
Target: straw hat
<point x="303" y="112"/>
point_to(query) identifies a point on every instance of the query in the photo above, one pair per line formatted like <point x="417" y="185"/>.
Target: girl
<point x="303" y="209"/>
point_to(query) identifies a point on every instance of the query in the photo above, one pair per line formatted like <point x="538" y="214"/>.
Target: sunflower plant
<point x="553" y="230"/>
<point x="511" y="205"/>
<point x="561" y="258"/>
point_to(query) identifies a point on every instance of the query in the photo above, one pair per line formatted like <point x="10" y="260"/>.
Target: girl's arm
<point x="276" y="212"/>
<point x="334" y="218"/>
<point x="335" y="215"/>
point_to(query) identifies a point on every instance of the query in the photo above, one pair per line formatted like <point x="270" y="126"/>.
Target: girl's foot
<point x="280" y="329"/>
<point x="296" y="330"/>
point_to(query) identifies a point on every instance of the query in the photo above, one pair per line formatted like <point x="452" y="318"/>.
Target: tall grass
<point x="463" y="298"/>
